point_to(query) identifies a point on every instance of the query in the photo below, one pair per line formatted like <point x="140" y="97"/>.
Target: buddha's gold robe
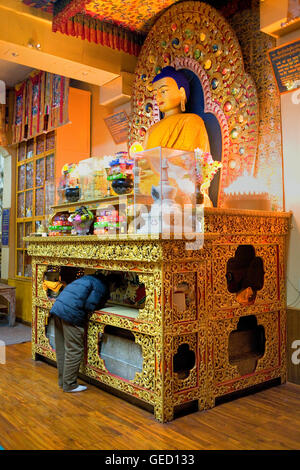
<point x="179" y="131"/>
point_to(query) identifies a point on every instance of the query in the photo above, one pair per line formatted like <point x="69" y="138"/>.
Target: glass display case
<point x="105" y="176"/>
<point x="157" y="192"/>
<point x="86" y="169"/>
<point x="84" y="181"/>
<point x="167" y="180"/>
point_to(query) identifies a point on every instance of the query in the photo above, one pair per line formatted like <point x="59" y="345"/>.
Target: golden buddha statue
<point x="177" y="130"/>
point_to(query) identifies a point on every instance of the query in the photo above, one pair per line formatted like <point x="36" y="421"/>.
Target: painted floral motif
<point x="45" y="5"/>
<point x="137" y="15"/>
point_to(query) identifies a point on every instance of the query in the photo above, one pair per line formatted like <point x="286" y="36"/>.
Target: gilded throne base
<point x="186" y="349"/>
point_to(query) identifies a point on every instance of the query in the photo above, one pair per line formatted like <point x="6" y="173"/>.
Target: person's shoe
<point x="79" y="388"/>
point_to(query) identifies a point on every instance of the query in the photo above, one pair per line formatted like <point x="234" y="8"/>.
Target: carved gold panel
<point x="242" y="223"/>
<point x="226" y="377"/>
<point x="184" y="296"/>
<point x="152" y="310"/>
<point x="92" y="247"/>
<point x="269" y="294"/>
<point x="144" y="379"/>
<point x="42" y="344"/>
<point x="271" y="290"/>
<point x="40" y="271"/>
<point x="202" y="320"/>
<point x="220" y="256"/>
<point x="184" y="292"/>
<point x="191" y="345"/>
<point x="195" y="377"/>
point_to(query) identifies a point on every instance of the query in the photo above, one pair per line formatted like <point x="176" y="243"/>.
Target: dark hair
<point x="108" y="279"/>
<point x="177" y="75"/>
<point x="51" y="275"/>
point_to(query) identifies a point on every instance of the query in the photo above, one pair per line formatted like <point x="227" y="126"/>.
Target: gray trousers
<point x="69" y="348"/>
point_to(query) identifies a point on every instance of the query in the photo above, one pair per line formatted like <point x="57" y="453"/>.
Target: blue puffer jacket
<point x="79" y="298"/>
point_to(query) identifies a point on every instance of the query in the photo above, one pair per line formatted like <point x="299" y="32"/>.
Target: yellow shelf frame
<point x="20" y="245"/>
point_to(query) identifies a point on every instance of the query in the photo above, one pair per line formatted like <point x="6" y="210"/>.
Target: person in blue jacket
<point x="70" y="311"/>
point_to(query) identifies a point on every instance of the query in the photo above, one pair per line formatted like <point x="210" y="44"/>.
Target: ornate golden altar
<point x="188" y="353"/>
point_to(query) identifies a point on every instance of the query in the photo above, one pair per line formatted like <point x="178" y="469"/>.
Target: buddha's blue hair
<point x="177" y="75"/>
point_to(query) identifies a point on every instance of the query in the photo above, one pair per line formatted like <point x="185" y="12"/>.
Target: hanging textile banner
<point x="47" y="102"/>
<point x="41" y="105"/>
<point x="60" y="92"/>
<point x="34" y="103"/>
<point x="99" y="32"/>
<point x="19" y="112"/>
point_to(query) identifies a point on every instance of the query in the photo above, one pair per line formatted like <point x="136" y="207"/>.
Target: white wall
<point x="102" y="142"/>
<point x="6" y="205"/>
<point x="290" y="109"/>
<point x="1" y="185"/>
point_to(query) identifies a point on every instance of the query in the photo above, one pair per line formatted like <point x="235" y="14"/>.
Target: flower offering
<point x="206" y="168"/>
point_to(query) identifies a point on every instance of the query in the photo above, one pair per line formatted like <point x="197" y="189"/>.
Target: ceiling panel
<point x="12" y="73"/>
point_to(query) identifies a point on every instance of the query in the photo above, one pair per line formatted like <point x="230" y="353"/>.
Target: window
<point x="35" y="192"/>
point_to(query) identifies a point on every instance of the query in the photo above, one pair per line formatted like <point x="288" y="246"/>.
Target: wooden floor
<point x="35" y="414"/>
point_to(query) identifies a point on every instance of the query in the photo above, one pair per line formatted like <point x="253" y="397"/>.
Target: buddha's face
<point x="167" y="94"/>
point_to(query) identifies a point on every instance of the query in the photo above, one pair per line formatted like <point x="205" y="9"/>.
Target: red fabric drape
<point x="98" y="32"/>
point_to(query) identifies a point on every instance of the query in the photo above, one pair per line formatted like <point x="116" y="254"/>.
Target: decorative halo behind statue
<point x="194" y="36"/>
